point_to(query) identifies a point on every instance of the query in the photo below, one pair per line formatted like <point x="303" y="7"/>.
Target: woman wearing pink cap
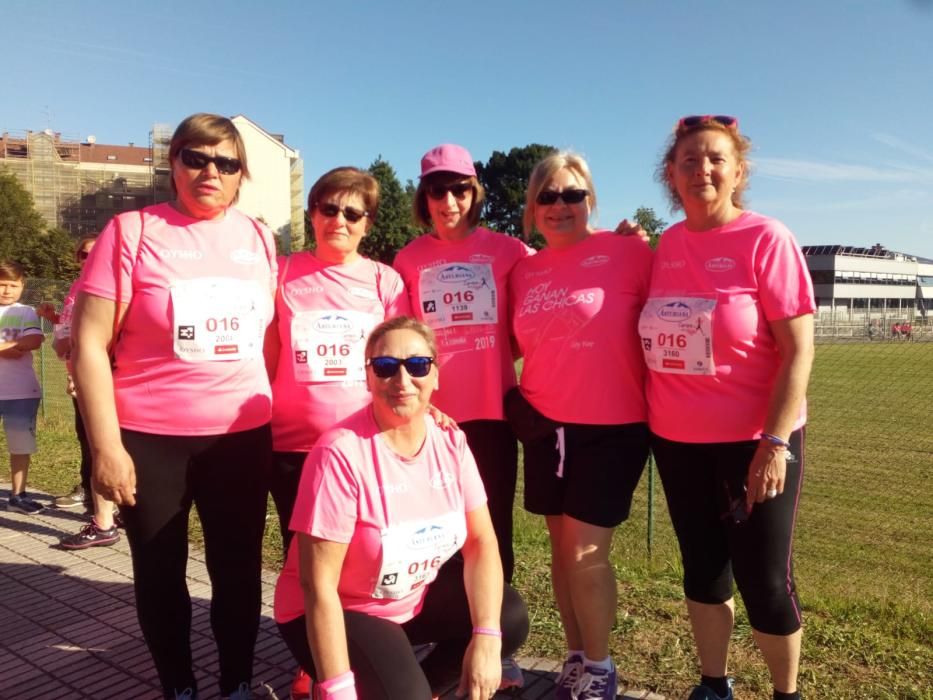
<point x="457" y="279"/>
<point x="386" y="498"/>
<point x="168" y="334"/>
<point x="580" y="409"/>
<point x="727" y="335"/>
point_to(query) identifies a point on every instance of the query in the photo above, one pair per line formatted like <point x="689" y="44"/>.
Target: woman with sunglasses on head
<point x="386" y="498"/>
<point x="580" y="408"/>
<point x="327" y="301"/>
<point x="457" y="277"/>
<point x="168" y="333"/>
<point x="727" y="335"/>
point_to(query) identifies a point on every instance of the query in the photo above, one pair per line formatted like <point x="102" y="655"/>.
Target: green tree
<point x="505" y="178"/>
<point x="393" y="227"/>
<point x="44" y="252"/>
<point x="652" y="223"/>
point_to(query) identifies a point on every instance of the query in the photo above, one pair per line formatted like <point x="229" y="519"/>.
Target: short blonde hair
<point x="401" y="323"/>
<point x="542" y="175"/>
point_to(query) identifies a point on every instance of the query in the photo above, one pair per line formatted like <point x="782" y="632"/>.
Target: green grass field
<point x="864" y="561"/>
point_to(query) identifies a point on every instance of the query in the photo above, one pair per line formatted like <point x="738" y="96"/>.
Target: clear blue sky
<point x="837" y="96"/>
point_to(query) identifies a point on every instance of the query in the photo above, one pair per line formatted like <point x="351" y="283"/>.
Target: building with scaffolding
<point x="80" y="185"/>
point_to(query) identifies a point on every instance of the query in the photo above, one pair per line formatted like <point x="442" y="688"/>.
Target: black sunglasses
<point x="351" y="214"/>
<point x="458" y="190"/>
<point x="387" y="367"/>
<point x="199" y="161"/>
<point x="574" y="196"/>
<point x="697" y="119"/>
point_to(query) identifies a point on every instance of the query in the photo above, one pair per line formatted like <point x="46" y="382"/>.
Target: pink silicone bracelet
<point x="491" y="631"/>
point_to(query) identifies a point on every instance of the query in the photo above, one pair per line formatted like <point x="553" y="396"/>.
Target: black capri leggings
<point x="225" y="477"/>
<point x="702" y="483"/>
<point x="381" y="654"/>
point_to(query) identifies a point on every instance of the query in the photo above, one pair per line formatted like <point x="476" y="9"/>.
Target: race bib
<point x="217" y="318"/>
<point x="328" y="346"/>
<point x="412" y="553"/>
<point x="677" y="334"/>
<point x="459" y="294"/>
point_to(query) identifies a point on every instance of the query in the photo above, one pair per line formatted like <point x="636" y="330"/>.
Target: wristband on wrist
<point x="342" y="687"/>
<point x="489" y="631"/>
<point x="775" y="440"/>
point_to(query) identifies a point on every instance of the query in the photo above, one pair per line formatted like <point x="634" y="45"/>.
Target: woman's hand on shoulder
<point x="628" y="228"/>
<point x="444" y="422"/>
<point x="114" y="475"/>
<point x="482" y="668"/>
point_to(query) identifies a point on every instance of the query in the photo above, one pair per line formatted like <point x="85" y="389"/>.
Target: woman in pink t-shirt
<point x="457" y="278"/>
<point x="385" y="499"/>
<point x="327" y="301"/>
<point x="168" y="333"/>
<point x="580" y="411"/>
<point x="727" y="335"/>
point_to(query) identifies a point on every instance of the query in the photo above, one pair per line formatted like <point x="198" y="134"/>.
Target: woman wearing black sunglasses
<point x="386" y="498"/>
<point x="727" y="334"/>
<point x="327" y="301"/>
<point x="456" y="277"/>
<point x="580" y="409"/>
<point x="168" y="335"/>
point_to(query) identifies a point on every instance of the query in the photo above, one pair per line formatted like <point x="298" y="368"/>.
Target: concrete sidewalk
<point x="68" y="622"/>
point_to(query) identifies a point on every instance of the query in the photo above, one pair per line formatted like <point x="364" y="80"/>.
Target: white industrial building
<point x="858" y="284"/>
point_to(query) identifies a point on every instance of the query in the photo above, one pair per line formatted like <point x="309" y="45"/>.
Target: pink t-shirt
<point x="401" y="517"/>
<point x="705" y="330"/>
<point x="574" y="315"/>
<point x="324" y="313"/>
<point x="188" y="360"/>
<point x="459" y="288"/>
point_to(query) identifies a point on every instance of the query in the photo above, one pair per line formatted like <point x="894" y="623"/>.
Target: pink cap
<point x="448" y="158"/>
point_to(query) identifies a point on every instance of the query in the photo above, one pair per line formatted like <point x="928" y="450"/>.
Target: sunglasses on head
<point x="387" y="367"/>
<point x="198" y="161"/>
<point x="697" y="119"/>
<point x="573" y="196"/>
<point x="351" y="214"/>
<point x="458" y="190"/>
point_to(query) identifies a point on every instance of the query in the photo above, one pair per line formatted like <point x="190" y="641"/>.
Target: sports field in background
<point x="864" y="547"/>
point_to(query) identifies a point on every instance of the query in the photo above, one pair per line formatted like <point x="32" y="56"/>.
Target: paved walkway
<point x="68" y="623"/>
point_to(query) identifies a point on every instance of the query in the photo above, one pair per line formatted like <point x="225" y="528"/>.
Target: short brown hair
<point x="740" y="143"/>
<point x="347" y="179"/>
<point x="541" y="176"/>
<point x="420" y="205"/>
<point x="401" y="323"/>
<point x="11" y="271"/>
<point x="203" y="129"/>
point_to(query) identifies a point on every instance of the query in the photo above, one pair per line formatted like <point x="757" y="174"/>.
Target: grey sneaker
<point x="596" y="684"/>
<point x="512" y="676"/>
<point x="91" y="536"/>
<point x="74" y="499"/>
<point x="22" y="503"/>
<point x="568" y="677"/>
<point x="186" y="694"/>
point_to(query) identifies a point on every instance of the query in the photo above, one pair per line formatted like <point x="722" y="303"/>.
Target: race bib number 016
<point x="217" y="318"/>
<point x="327" y="346"/>
<point x="459" y="294"/>
<point x="412" y="553"/>
<point x="677" y="334"/>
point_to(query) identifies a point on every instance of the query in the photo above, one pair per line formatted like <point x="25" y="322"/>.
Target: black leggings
<point x="496" y="451"/>
<point x="283" y="485"/>
<point x="85" y="451"/>
<point x="381" y="654"/>
<point x="225" y="477"/>
<point x="702" y="482"/>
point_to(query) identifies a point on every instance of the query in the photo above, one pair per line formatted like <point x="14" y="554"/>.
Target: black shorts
<point x="588" y="472"/>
